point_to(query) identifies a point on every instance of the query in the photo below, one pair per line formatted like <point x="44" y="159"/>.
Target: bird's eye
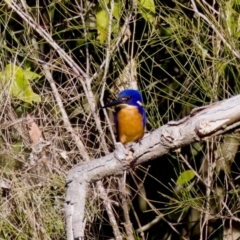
<point x="125" y="99"/>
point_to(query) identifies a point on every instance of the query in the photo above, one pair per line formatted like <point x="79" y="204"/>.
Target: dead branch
<point x="202" y="123"/>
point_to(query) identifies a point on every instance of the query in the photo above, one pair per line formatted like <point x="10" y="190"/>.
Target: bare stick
<point x="235" y="52"/>
<point x="67" y="124"/>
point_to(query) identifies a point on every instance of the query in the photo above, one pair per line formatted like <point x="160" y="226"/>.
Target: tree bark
<point x="202" y="123"/>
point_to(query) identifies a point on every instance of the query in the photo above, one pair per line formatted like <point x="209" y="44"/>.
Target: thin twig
<point x="67" y="124"/>
<point x="81" y="8"/>
<point x="29" y="20"/>
<point x="115" y="45"/>
<point x="127" y="225"/>
<point x="82" y="76"/>
<point x="108" y="207"/>
<point x="107" y="62"/>
<point x="195" y="9"/>
<point x="101" y="189"/>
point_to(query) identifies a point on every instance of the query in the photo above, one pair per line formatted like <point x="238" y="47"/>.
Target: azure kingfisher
<point x="130" y="116"/>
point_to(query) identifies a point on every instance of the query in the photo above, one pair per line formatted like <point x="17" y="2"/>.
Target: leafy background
<point x="181" y="54"/>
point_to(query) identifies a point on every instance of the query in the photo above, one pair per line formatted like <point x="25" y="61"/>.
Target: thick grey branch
<point x="201" y="123"/>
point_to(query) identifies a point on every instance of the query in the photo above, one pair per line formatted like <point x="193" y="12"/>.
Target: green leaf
<point x="36" y="97"/>
<point x="29" y="75"/>
<point x="232" y="17"/>
<point x="185" y="177"/>
<point x="147" y="9"/>
<point x="117" y="9"/>
<point x="20" y="86"/>
<point x="17" y="80"/>
<point x="102" y="20"/>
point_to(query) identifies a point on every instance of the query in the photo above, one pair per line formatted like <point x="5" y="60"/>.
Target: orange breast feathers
<point x="130" y="124"/>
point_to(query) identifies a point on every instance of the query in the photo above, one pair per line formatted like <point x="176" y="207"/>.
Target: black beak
<point x="114" y="103"/>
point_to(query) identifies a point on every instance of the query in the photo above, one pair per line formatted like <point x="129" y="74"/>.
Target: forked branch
<point x="202" y="123"/>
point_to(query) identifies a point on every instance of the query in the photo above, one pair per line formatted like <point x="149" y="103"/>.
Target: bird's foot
<point x="139" y="141"/>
